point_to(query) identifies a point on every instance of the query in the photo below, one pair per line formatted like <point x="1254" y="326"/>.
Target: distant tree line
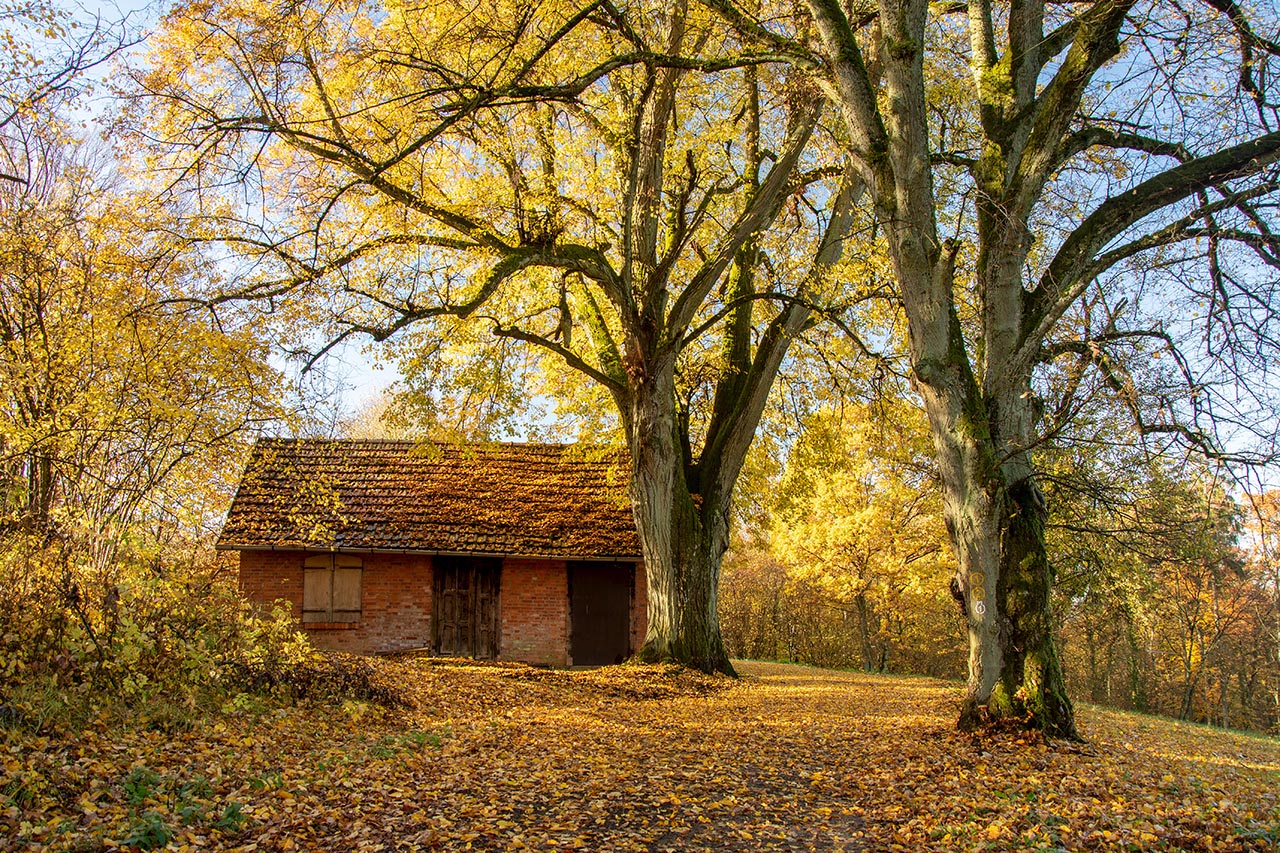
<point x="1166" y="598"/>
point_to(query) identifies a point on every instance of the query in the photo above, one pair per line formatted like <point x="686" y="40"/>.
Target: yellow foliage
<point x="862" y="559"/>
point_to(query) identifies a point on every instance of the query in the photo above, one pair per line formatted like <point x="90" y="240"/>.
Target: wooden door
<point x="600" y="603"/>
<point x="466" y="606"/>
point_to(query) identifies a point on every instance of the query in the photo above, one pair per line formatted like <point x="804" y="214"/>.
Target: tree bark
<point x="1005" y="577"/>
<point x="683" y="536"/>
<point x="1032" y="677"/>
<point x="995" y="518"/>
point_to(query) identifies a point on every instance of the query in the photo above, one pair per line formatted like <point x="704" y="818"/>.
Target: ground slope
<point x="638" y="758"/>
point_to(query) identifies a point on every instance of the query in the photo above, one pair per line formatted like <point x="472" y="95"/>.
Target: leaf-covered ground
<point x="504" y="757"/>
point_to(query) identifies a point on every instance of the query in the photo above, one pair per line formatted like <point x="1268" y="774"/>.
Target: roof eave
<point x="228" y="546"/>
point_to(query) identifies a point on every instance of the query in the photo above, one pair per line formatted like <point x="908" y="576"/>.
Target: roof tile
<point x="512" y="499"/>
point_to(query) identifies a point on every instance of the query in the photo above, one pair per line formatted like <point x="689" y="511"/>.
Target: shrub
<point x="160" y="642"/>
<point x="148" y="832"/>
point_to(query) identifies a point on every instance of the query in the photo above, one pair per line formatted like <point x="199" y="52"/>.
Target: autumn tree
<point x="49" y="53"/>
<point x="110" y="386"/>
<point x="857" y="519"/>
<point x="1162" y="609"/>
<point x="1263" y="525"/>
<point x="1025" y="161"/>
<point x="122" y="411"/>
<point x="110" y="395"/>
<point x="1254" y="644"/>
<point x="603" y="183"/>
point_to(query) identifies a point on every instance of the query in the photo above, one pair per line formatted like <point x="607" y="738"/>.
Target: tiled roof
<point x="496" y="499"/>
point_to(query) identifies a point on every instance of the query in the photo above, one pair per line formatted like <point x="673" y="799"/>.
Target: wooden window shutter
<point x="348" y="574"/>
<point x="331" y="586"/>
<point x="317" y="588"/>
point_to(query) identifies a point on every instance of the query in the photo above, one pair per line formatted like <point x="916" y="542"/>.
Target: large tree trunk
<point x="1032" y="677"/>
<point x="995" y="517"/>
<point x="683" y="536"/>
<point x="1005" y="580"/>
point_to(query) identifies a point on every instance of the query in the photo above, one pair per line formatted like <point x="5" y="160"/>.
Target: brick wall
<point x="396" y="604"/>
<point x="269" y="575"/>
<point x="395" y="611"/>
<point x="534" y="603"/>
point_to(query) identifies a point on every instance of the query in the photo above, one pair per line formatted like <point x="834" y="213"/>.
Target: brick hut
<point x="521" y="552"/>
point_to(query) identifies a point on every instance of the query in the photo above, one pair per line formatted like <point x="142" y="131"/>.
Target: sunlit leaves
<point x="119" y="398"/>
<point x="387" y="162"/>
<point x="862" y="560"/>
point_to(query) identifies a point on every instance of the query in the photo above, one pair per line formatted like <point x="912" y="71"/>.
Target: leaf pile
<point x="507" y="757"/>
<point x="327" y="675"/>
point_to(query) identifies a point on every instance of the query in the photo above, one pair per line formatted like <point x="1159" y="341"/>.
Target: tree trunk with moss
<point x="1013" y="652"/>
<point x="682" y="536"/>
<point x="995" y="517"/>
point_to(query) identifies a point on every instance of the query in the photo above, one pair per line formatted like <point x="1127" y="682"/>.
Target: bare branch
<point x="569" y="356"/>
<point x="1076" y="259"/>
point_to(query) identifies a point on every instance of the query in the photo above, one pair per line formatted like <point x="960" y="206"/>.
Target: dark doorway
<point x="600" y="599"/>
<point x="466" y="606"/>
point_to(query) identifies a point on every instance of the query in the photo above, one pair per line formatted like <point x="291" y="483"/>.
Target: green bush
<point x="233" y="819"/>
<point x="141" y="785"/>
<point x="148" y="832"/>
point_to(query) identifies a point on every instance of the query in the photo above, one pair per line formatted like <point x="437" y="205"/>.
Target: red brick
<point x="395" y="599"/>
<point x="534" y="615"/>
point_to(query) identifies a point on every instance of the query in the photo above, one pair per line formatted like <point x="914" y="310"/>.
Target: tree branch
<point x="761" y="211"/>
<point x="1076" y="261"/>
<point x="569" y="356"/>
